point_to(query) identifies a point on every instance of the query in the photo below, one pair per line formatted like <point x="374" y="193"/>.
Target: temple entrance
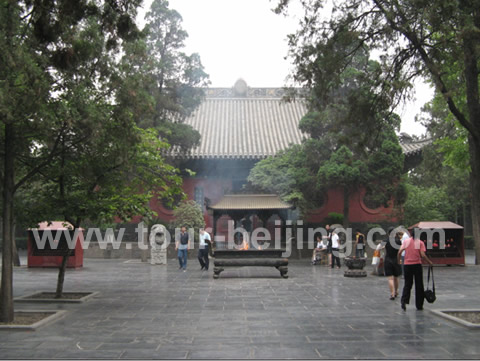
<point x="240" y="217"/>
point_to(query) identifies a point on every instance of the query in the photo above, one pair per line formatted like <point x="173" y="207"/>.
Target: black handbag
<point x="430" y="294"/>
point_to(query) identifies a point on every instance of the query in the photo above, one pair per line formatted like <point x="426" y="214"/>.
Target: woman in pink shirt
<point x="414" y="252"/>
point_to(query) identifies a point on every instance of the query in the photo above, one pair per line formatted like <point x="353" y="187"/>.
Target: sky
<point x="245" y="39"/>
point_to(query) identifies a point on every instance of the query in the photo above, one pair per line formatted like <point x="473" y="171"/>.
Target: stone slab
<point x="28" y="298"/>
<point x="146" y="312"/>
<point x="55" y="316"/>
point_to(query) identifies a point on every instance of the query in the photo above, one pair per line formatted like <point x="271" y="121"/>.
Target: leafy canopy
<point x="352" y="142"/>
<point x="435" y="39"/>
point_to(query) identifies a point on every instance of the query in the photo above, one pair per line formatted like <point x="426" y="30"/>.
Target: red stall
<point x="444" y="241"/>
<point x="43" y="253"/>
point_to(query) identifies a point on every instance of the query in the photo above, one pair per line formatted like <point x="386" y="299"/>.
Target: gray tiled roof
<point x="256" y="125"/>
<point x="414" y="147"/>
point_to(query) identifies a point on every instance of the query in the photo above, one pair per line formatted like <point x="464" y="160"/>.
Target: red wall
<point x="215" y="188"/>
<point x="359" y="212"/>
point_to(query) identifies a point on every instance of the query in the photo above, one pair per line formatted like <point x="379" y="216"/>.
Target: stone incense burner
<point x="355" y="267"/>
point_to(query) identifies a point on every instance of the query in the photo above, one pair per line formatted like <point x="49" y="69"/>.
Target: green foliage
<point x="168" y="84"/>
<point x="334" y="218"/>
<point x="426" y="204"/>
<point x="385" y="168"/>
<point x="290" y="175"/>
<point x="345" y="100"/>
<point x="88" y="104"/>
<point x="104" y="183"/>
<point x="455" y="150"/>
<point x="435" y="39"/>
<point x="352" y="141"/>
<point x="433" y="172"/>
<point x="342" y="170"/>
<point x="95" y="162"/>
<point x="56" y="61"/>
<point x="401" y="193"/>
<point x="188" y="214"/>
<point x="451" y="139"/>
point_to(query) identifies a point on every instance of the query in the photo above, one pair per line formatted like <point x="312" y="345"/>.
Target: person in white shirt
<point x="405" y="236"/>
<point x="335" y="246"/>
<point x="205" y="242"/>
<point x="320" y="248"/>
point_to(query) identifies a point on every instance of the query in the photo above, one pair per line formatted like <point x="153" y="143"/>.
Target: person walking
<point x="182" y="245"/>
<point x="392" y="268"/>
<point x="414" y="253"/>
<point x="335" y="246"/>
<point x="204" y="246"/>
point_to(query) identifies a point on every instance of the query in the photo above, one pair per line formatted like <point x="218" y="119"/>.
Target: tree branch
<point x="430" y="65"/>
<point x="42" y="164"/>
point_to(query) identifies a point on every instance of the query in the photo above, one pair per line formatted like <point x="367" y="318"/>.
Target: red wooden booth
<point x="49" y="256"/>
<point x="453" y="249"/>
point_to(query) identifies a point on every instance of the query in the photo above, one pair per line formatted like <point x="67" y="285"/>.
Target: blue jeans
<point x="182" y="258"/>
<point x="359" y="252"/>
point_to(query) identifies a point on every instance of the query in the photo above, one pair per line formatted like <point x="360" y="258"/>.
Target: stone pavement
<point x="159" y="312"/>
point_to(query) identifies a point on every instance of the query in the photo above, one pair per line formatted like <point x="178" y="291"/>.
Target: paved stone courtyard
<point x="156" y="312"/>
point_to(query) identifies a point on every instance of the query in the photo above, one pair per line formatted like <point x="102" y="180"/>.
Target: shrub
<point x="334" y="218"/>
<point x="188" y="214"/>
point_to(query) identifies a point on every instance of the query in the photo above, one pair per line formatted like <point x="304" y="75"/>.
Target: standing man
<point x="335" y="247"/>
<point x="205" y="242"/>
<point x="414" y="253"/>
<point x="182" y="245"/>
<point x="329" y="244"/>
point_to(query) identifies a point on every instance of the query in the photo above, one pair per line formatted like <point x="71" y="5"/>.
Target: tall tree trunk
<point x="61" y="275"/>
<point x="6" y="299"/>
<point x="16" y="257"/>
<point x="346" y="208"/>
<point x="63" y="266"/>
<point x="474" y="147"/>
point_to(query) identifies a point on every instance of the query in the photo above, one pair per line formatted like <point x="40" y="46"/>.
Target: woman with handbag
<point x="414" y="253"/>
<point x="392" y="268"/>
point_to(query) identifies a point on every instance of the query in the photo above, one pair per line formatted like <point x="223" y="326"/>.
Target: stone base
<point x="256" y="258"/>
<point x="158" y="257"/>
<point x="355" y="273"/>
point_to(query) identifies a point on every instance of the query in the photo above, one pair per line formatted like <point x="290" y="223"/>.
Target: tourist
<point x="335" y="246"/>
<point x="414" y="253"/>
<point x="320" y="248"/>
<point x="182" y="245"/>
<point x="329" y="244"/>
<point x="405" y="236"/>
<point x="204" y="246"/>
<point x="359" y="244"/>
<point x="392" y="268"/>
